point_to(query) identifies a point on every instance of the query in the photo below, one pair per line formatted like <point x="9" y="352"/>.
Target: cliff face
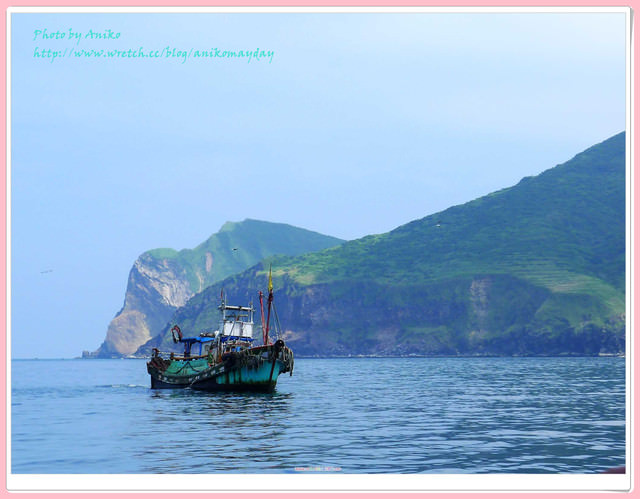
<point x="163" y="280"/>
<point x="155" y="289"/>
<point x="535" y="269"/>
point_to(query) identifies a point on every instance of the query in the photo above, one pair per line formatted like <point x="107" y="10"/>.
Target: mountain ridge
<point x="536" y="268"/>
<point x="163" y="279"/>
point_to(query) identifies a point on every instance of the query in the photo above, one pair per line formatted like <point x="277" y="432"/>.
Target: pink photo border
<point x="311" y="3"/>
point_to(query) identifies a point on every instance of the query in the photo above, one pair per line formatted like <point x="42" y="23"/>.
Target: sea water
<point x="357" y="415"/>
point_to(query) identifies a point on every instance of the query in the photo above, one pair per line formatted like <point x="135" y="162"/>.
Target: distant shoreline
<point x="434" y="356"/>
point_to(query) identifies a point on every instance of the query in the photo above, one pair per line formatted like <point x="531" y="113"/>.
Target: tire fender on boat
<point x="176" y="333"/>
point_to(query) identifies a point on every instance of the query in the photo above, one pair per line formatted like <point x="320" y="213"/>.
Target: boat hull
<point x="158" y="384"/>
<point x="256" y="370"/>
<point x="242" y="379"/>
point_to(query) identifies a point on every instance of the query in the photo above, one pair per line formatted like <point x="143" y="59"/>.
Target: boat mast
<point x="264" y="330"/>
<point x="223" y="309"/>
<point x="269" y="302"/>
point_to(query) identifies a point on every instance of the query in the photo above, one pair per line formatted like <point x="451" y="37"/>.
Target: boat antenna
<point x="278" y="328"/>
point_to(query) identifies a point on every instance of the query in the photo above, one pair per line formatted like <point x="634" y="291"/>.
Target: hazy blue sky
<point x="360" y="123"/>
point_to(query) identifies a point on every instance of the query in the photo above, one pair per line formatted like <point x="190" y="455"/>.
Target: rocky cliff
<point x="163" y="280"/>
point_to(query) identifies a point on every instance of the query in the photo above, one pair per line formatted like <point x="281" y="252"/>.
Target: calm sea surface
<point x="417" y="415"/>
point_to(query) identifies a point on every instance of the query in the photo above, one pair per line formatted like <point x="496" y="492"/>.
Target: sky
<point x="350" y="124"/>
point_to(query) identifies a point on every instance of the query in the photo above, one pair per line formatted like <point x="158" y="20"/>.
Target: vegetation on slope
<point x="162" y="280"/>
<point x="239" y="245"/>
<point x="538" y="268"/>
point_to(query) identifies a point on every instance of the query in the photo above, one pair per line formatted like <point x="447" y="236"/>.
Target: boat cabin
<point x="237" y="321"/>
<point x="236" y="328"/>
<point x="235" y="334"/>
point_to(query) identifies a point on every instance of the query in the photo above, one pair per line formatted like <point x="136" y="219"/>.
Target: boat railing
<point x="191" y="357"/>
<point x="173" y="356"/>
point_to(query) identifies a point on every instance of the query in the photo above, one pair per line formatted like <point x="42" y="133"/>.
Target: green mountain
<point x="162" y="280"/>
<point x="537" y="268"/>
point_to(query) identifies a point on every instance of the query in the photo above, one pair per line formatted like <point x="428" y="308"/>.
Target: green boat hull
<point x="252" y="370"/>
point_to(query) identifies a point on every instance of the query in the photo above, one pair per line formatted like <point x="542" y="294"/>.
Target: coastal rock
<point x="163" y="280"/>
<point x="155" y="289"/>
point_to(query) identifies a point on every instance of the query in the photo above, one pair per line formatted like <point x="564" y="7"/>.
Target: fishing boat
<point x="227" y="359"/>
